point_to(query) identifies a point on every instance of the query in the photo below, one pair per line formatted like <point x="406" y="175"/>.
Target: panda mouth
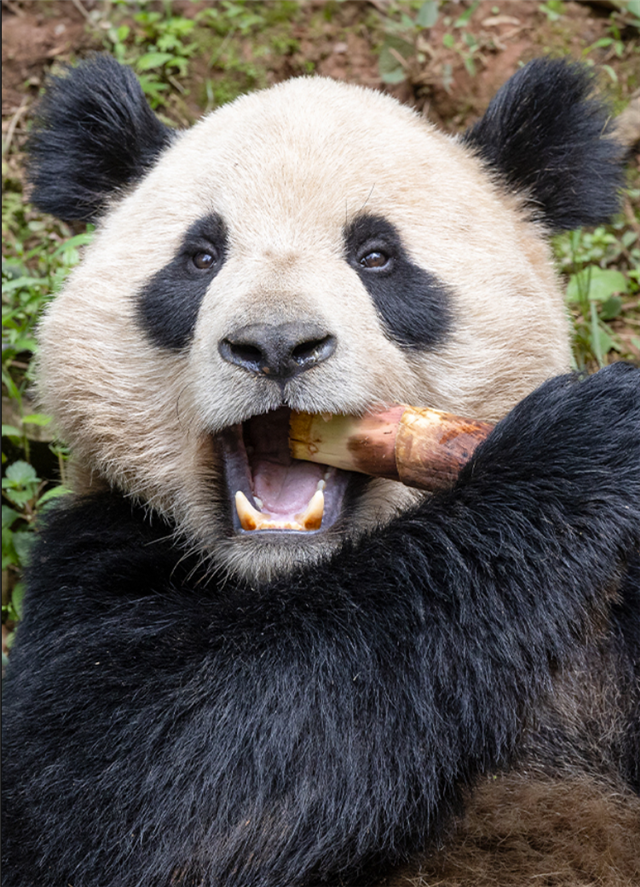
<point x="270" y="491"/>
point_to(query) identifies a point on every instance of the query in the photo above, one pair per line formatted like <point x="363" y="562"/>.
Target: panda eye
<point x="375" y="259"/>
<point x="204" y="260"/>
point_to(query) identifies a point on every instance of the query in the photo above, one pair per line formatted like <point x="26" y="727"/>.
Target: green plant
<point x="399" y="49"/>
<point x="237" y="37"/>
<point x="24" y="491"/>
<point x="39" y="254"/>
<point x="157" y="46"/>
<point x="553" y="9"/>
<point x="599" y="294"/>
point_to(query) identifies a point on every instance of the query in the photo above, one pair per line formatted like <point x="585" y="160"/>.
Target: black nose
<point x="279" y="351"/>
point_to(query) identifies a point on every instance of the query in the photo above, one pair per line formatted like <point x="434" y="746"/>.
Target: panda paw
<point x="572" y="445"/>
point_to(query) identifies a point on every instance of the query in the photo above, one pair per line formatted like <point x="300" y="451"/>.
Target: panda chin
<point x="270" y="492"/>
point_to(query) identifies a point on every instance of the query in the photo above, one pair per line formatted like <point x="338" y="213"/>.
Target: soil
<point x="37" y="33"/>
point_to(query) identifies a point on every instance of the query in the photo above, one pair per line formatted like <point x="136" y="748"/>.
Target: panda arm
<point x="521" y="561"/>
<point x="375" y="685"/>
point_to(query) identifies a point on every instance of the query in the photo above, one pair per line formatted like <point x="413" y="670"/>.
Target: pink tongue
<point x="285" y="489"/>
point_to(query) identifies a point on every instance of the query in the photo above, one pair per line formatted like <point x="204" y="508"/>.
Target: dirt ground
<point x="38" y="32"/>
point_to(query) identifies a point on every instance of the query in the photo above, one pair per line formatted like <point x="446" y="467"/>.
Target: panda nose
<point x="279" y="351"/>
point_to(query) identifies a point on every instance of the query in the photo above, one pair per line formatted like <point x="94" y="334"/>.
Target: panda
<point x="431" y="689"/>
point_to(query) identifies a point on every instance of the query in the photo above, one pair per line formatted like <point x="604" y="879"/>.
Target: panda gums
<point x="428" y="689"/>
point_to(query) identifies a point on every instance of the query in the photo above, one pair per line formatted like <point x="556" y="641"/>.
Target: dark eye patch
<point x="414" y="304"/>
<point x="168" y="304"/>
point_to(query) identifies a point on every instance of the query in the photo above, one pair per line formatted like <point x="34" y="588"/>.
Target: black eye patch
<point x="168" y="304"/>
<point x="414" y="304"/>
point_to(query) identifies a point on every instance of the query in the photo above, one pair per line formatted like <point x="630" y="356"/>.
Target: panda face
<point x="313" y="247"/>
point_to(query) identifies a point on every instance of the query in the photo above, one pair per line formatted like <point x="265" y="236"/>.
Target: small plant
<point x="401" y="51"/>
<point x="157" y="47"/>
<point x="39" y="254"/>
<point x="598" y="295"/>
<point x="553" y="9"/>
<point x="24" y="497"/>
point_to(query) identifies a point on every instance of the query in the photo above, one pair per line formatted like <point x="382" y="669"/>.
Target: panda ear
<point x="94" y="133"/>
<point x="548" y="136"/>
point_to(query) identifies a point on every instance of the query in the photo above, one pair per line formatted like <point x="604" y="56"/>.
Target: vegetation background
<point x="444" y="58"/>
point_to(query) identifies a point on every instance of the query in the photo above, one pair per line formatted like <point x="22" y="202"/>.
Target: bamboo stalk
<point x="419" y="447"/>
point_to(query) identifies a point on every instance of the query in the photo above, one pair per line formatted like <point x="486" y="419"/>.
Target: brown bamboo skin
<point x="432" y="447"/>
<point x="421" y="448"/>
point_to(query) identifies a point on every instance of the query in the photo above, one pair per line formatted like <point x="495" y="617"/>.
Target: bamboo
<point x="419" y="447"/>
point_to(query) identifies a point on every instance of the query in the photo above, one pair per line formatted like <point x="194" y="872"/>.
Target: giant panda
<point x="431" y="689"/>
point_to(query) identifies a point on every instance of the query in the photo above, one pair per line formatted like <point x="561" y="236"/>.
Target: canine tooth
<point x="312" y="517"/>
<point x="250" y="519"/>
<point x="321" y="485"/>
<point x="258" y="502"/>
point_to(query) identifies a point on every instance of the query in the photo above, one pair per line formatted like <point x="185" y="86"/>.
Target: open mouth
<point x="271" y="491"/>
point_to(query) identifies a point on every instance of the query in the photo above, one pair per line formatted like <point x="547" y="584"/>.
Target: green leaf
<point x="605" y="341"/>
<point x="21" y="473"/>
<point x="74" y="242"/>
<point x="395" y="76"/>
<point x="17" y="595"/>
<point x="464" y="18"/>
<point x="36" y="419"/>
<point x="22" y="283"/>
<point x="152" y="60"/>
<point x="390" y="69"/>
<point x="53" y="494"/>
<point x="24" y="344"/>
<point x="596" y="284"/>
<point x="448" y="40"/>
<point x="427" y="14"/>
<point x="610" y="308"/>
<point x="16" y="495"/>
<point x="11" y="431"/>
<point x="9" y="517"/>
<point x="470" y="65"/>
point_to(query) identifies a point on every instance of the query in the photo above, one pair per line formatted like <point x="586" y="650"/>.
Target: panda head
<point x="316" y="247"/>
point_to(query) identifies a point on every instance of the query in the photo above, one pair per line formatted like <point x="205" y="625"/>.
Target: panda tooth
<point x="258" y="502"/>
<point x="321" y="484"/>
<point x="250" y="519"/>
<point x="311" y="519"/>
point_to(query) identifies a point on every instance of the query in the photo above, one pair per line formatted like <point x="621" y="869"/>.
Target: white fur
<point x="287" y="168"/>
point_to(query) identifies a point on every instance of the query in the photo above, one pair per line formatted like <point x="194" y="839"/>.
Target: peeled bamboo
<point x="419" y="447"/>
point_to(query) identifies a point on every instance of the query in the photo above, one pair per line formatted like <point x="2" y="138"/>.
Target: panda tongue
<point x="284" y="485"/>
<point x="285" y="489"/>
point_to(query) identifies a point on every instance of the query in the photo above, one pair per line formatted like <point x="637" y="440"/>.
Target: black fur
<point x="546" y="136"/>
<point x="626" y="622"/>
<point x="169" y="303"/>
<point x="94" y="134"/>
<point x="165" y="728"/>
<point x="414" y="304"/>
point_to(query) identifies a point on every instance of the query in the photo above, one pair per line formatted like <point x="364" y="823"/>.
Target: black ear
<point x="548" y="136"/>
<point x="93" y="134"/>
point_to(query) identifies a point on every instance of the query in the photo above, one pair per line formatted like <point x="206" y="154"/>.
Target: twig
<point x="13" y="8"/>
<point x="78" y="5"/>
<point x="14" y="122"/>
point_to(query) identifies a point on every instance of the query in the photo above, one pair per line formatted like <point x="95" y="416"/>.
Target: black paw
<point x="573" y="445"/>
